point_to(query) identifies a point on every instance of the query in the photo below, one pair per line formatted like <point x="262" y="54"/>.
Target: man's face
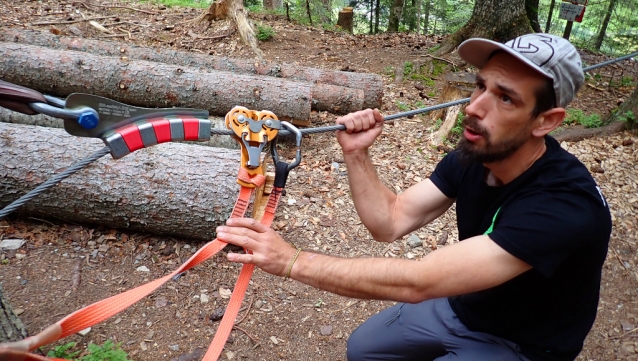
<point x="498" y="120"/>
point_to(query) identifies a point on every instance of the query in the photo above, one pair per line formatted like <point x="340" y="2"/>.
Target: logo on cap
<point x="534" y="44"/>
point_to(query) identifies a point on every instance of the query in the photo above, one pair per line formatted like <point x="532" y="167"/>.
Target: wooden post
<point x="345" y="20"/>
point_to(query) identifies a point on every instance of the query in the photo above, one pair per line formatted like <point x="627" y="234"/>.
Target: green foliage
<point x="577" y="116"/>
<point x="63" y="351"/>
<point x="407" y="68"/>
<point x="182" y="3"/>
<point x="431" y="93"/>
<point x="628" y="117"/>
<point x="438" y="67"/>
<point x="107" y="352"/>
<point x="403" y="106"/>
<point x="426" y="80"/>
<point x="388" y="70"/>
<point x="264" y="32"/>
<point x="458" y="126"/>
<point x="624" y="82"/>
<point x="620" y="37"/>
<point x="437" y="123"/>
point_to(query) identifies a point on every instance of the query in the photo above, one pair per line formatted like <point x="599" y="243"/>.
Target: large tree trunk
<point x="531" y="7"/>
<point x="11" y="328"/>
<point x="323" y="95"/>
<point x="377" y="12"/>
<point x="603" y="29"/>
<point x="172" y="188"/>
<point x="418" y="16"/>
<point x="150" y="84"/>
<point x="395" y="16"/>
<point x="426" y="17"/>
<point x="499" y="20"/>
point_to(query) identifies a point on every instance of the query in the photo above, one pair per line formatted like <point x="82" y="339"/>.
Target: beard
<point x="491" y="152"/>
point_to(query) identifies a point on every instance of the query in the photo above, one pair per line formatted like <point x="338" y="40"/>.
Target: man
<point x="523" y="283"/>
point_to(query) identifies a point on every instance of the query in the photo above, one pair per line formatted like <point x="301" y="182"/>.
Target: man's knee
<point x="355" y="348"/>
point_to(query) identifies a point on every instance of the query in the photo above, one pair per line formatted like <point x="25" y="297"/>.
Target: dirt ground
<point x="65" y="266"/>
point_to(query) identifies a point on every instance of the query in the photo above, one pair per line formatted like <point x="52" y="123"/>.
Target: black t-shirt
<point x="553" y="217"/>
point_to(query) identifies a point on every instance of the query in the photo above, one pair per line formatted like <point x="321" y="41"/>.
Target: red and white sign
<point x="571" y="12"/>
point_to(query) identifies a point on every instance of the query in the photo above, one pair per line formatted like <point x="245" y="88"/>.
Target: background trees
<point x="608" y="26"/>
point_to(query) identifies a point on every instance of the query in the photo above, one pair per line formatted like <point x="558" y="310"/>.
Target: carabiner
<point x="282" y="168"/>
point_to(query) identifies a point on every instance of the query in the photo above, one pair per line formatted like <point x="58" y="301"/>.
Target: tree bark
<point x="41" y="120"/>
<point x="418" y="16"/>
<point x="11" y="328"/>
<point x="531" y="7"/>
<point x="149" y="84"/>
<point x="498" y="20"/>
<point x="371" y="17"/>
<point x="172" y="189"/>
<point x="426" y="21"/>
<point x="370" y="84"/>
<point x="377" y="11"/>
<point x="345" y="19"/>
<point x="603" y="29"/>
<point x="395" y="16"/>
<point x="308" y="11"/>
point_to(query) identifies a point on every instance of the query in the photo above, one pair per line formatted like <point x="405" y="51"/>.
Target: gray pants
<point x="426" y="331"/>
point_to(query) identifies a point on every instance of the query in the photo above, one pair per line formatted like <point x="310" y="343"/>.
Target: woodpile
<point x="158" y="77"/>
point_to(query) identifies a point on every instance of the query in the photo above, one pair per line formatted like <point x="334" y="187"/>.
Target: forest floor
<point x="286" y="320"/>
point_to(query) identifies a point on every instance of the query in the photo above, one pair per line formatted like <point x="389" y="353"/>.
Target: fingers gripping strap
<point x="228" y="321"/>
<point x="109" y="307"/>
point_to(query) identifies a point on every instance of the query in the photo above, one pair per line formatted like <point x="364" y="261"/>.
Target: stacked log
<point x="150" y="84"/>
<point x="172" y="188"/>
<point x="334" y="91"/>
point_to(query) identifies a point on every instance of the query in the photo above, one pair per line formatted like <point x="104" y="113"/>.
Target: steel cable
<point x="53" y="181"/>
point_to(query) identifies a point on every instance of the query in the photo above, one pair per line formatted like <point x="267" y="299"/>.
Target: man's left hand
<point x="271" y="252"/>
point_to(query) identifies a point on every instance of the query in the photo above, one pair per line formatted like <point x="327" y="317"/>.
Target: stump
<point x="345" y="19"/>
<point x="457" y="86"/>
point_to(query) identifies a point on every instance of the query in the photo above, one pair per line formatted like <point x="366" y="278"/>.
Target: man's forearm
<point x="372" y="199"/>
<point x="368" y="278"/>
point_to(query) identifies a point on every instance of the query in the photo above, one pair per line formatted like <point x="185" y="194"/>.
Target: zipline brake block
<point x="253" y="130"/>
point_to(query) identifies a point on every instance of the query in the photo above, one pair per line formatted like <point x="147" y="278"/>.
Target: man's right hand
<point x="362" y="128"/>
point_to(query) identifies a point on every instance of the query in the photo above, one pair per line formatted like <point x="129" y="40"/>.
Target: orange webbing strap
<point x="228" y="321"/>
<point x="102" y="310"/>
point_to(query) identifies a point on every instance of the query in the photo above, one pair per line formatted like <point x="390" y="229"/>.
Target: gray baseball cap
<point x="550" y="55"/>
